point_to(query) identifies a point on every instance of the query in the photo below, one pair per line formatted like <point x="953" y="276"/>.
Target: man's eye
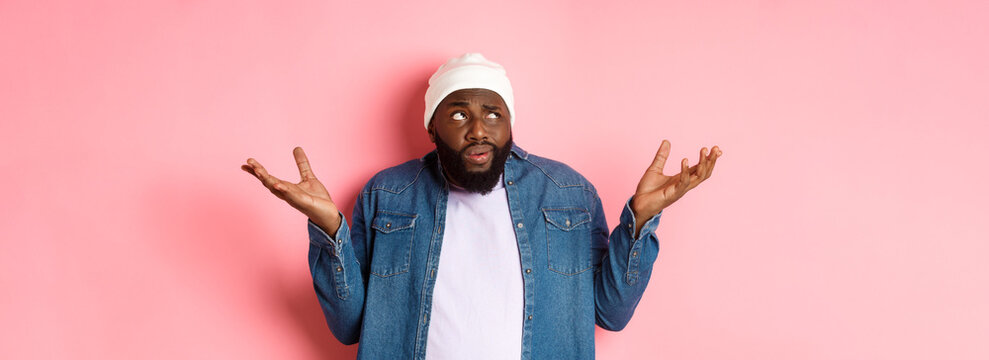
<point x="459" y="115"/>
<point x="493" y="116"/>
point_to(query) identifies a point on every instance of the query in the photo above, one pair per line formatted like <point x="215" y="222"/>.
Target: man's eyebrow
<point x="491" y="107"/>
<point x="460" y="103"/>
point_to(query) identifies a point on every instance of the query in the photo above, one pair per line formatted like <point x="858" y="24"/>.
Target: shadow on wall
<point x="218" y="241"/>
<point x="411" y="105"/>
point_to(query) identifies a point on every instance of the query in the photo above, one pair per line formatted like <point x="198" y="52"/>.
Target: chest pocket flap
<point x="388" y="222"/>
<point x="568" y="240"/>
<point x="567" y="219"/>
<point x="393" y="238"/>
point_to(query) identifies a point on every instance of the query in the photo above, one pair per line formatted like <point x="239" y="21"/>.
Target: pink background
<point x="846" y="219"/>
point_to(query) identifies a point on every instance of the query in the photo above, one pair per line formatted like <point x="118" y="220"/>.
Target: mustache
<point x="481" y="143"/>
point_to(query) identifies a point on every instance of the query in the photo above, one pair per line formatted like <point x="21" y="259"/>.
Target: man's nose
<point x="477" y="131"/>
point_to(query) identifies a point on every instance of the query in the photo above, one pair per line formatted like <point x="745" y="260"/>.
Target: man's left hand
<point x="657" y="191"/>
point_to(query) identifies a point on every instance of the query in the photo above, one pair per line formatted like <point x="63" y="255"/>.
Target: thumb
<point x="660" y="160"/>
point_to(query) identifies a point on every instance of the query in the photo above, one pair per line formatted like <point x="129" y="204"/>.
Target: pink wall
<point x="846" y="219"/>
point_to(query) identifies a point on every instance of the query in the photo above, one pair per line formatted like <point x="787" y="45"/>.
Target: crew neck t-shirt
<point x="477" y="310"/>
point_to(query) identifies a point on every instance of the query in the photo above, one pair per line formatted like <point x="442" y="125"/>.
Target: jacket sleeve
<point x="625" y="265"/>
<point x="337" y="274"/>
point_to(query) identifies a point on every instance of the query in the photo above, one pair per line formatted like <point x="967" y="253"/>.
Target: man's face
<point x="472" y="131"/>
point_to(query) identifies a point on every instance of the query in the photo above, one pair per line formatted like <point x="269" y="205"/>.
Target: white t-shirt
<point x="477" y="310"/>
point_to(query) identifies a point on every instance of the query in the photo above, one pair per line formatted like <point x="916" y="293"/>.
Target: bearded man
<point x="479" y="249"/>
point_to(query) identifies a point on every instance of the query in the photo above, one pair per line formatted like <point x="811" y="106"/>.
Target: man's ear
<point x="431" y="131"/>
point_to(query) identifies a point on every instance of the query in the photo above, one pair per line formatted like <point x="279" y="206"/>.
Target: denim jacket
<point x="374" y="279"/>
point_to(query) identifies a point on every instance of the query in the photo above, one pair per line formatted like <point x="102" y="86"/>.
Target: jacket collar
<point x="522" y="154"/>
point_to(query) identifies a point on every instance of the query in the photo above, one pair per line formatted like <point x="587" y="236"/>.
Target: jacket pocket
<point x="393" y="234"/>
<point x="568" y="240"/>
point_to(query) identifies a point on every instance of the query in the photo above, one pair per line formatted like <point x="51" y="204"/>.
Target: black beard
<point x="476" y="182"/>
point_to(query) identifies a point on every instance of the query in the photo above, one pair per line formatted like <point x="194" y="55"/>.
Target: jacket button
<point x="568" y="222"/>
<point x="510" y="183"/>
<point x="528" y="271"/>
<point x="520" y="225"/>
<point x="388" y="225"/>
<point x="635" y="253"/>
<point x="530" y="317"/>
<point x="339" y="269"/>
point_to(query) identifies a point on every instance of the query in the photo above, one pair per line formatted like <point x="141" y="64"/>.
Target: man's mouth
<point x="479" y="154"/>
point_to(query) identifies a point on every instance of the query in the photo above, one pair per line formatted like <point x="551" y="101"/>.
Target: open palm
<point x="308" y="196"/>
<point x="656" y="191"/>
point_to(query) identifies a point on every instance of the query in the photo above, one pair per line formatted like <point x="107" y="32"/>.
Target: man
<point x="480" y="250"/>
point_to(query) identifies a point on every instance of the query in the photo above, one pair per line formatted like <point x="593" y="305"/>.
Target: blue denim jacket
<point x="374" y="280"/>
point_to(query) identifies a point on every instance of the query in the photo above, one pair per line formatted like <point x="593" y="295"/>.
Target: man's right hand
<point x="308" y="196"/>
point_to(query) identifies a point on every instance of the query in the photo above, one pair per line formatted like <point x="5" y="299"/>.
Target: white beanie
<point x="469" y="71"/>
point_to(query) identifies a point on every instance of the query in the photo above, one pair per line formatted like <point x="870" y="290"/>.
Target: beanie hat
<point x="469" y="71"/>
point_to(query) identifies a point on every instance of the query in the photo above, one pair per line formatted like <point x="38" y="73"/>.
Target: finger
<point x="248" y="169"/>
<point x="702" y="164"/>
<point x="303" y="162"/>
<point x="267" y="179"/>
<point x="696" y="174"/>
<point x="662" y="154"/>
<point x="715" y="154"/>
<point x="708" y="163"/>
<point x="255" y="166"/>
<point x="684" y="176"/>
<point x="270" y="181"/>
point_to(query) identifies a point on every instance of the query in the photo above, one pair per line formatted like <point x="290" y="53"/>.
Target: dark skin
<point x="657" y="191"/>
<point x="469" y="116"/>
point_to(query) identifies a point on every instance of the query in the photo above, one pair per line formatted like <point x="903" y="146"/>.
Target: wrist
<point x="634" y="205"/>
<point x="330" y="224"/>
<point x="641" y="211"/>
